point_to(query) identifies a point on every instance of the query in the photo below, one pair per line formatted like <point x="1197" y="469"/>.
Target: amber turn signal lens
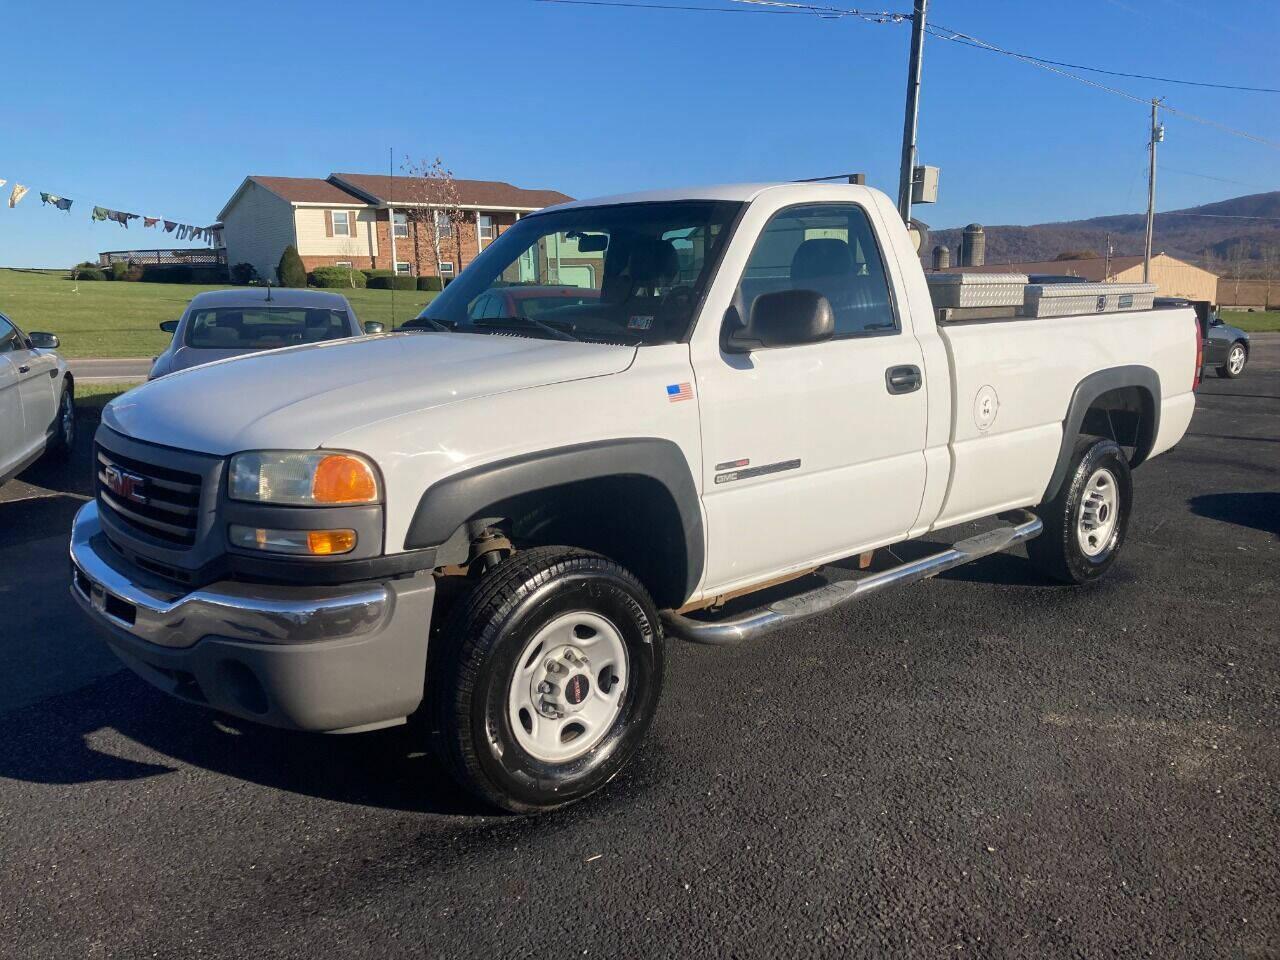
<point x="343" y="479"/>
<point x="325" y="542"/>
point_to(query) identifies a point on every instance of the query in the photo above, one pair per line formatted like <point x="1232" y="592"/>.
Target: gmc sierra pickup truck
<point x="492" y="521"/>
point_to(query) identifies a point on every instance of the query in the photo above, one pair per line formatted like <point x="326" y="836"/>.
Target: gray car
<point x="229" y="323"/>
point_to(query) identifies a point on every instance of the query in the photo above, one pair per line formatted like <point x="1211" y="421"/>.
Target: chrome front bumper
<point x="314" y="658"/>
<point x="243" y="611"/>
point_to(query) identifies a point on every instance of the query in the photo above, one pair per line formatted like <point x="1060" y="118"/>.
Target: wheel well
<point x="1125" y="415"/>
<point x="630" y="518"/>
<point x="69" y="382"/>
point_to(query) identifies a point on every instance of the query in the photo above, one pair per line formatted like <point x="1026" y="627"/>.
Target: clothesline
<point x="183" y="231"/>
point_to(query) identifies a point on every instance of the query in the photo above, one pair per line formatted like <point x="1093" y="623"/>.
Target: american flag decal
<point x="679" y="391"/>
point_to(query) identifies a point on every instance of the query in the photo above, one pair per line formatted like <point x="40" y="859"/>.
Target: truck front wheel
<point x="1086" y="523"/>
<point x="545" y="678"/>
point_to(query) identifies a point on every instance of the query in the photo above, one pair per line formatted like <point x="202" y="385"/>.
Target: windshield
<point x="631" y="273"/>
<point x="262" y="328"/>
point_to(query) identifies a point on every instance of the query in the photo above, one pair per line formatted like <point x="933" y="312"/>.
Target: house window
<point x="485" y="223"/>
<point x="342" y="223"/>
<point x="401" y="224"/>
<point x="444" y="226"/>
<point x="402" y="268"/>
<point x="343" y="263"/>
<point x="446" y="268"/>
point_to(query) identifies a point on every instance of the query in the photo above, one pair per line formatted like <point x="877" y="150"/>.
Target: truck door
<point x="811" y="452"/>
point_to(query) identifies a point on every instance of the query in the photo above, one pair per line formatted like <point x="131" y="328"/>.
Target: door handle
<point x="904" y="379"/>
<point x="24" y="368"/>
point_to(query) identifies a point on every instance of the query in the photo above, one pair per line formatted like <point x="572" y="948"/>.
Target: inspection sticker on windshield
<point x="679" y="391"/>
<point x="639" y="323"/>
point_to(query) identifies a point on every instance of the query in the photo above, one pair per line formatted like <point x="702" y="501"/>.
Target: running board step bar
<point x="1021" y="525"/>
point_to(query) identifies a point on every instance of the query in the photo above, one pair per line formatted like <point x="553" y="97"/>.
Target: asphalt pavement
<point x="984" y="764"/>
<point x="94" y="370"/>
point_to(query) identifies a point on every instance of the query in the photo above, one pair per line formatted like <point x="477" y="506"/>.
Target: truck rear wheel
<point x="1086" y="522"/>
<point x="546" y="678"/>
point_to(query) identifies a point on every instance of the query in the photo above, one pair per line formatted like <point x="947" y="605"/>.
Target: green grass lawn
<point x="1262" y="322"/>
<point x="92" y="397"/>
<point x="117" y="319"/>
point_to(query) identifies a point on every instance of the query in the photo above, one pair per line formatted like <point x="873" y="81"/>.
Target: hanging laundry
<point x="169" y="226"/>
<point x="62" y="203"/>
<point x="121" y="217"/>
<point x="150" y="221"/>
<point x="19" y="191"/>
<point x="99" y="213"/>
<point x="3" y="182"/>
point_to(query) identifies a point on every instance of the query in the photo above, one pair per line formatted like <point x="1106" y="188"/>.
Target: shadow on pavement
<point x="1260" y="511"/>
<point x="57" y="742"/>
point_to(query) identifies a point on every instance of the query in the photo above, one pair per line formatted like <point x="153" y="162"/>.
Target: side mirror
<point x="169" y="326"/>
<point x="374" y="326"/>
<point x="785" y="318"/>
<point x="44" y="341"/>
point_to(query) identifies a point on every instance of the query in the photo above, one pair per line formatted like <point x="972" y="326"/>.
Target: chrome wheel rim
<point x="568" y="686"/>
<point x="1235" y="360"/>
<point x="68" y="419"/>
<point x="1098" y="514"/>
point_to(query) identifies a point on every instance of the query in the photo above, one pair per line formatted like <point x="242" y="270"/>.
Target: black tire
<point x="64" y="425"/>
<point x="1225" y="370"/>
<point x="1058" y="551"/>
<point x="474" y="660"/>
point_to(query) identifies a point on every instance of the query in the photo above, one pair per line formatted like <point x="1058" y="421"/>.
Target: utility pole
<point x="1157" y="136"/>
<point x="913" y="110"/>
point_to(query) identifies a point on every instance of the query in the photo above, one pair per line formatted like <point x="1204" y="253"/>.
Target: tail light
<point x="1195" y="381"/>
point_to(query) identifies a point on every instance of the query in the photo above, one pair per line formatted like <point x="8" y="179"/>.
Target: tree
<point x="435" y="212"/>
<point x="1078" y="255"/>
<point x="290" y="271"/>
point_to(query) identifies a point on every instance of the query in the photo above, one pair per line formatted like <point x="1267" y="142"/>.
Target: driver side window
<point x="828" y="248"/>
<point x="9" y="337"/>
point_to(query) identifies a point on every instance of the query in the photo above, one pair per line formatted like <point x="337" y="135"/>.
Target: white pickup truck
<point x="492" y="521"/>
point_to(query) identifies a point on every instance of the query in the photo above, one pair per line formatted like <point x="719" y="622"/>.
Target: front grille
<point x="156" y="501"/>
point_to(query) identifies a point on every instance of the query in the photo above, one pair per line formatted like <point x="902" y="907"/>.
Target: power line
<point x="962" y="38"/>
<point x="688" y="8"/>
<point x="1205" y="176"/>
<point x="946" y="33"/>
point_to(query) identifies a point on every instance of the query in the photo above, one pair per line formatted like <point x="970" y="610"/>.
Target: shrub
<point x="290" y="271"/>
<point x="430" y="283"/>
<point x="87" y="271"/>
<point x="118" y="270"/>
<point x="337" y="277"/>
<point x="172" y="274"/>
<point x="134" y="273"/>
<point x="393" y="283"/>
<point x="243" y="274"/>
<point x="370" y="274"/>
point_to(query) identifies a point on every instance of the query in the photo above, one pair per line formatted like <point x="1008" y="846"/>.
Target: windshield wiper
<point x="553" y="332"/>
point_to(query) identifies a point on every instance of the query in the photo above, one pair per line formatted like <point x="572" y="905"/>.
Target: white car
<point x="220" y="324"/>
<point x="499" y="518"/>
<point x="37" y="399"/>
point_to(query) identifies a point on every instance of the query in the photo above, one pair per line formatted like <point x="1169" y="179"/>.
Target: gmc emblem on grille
<point x="128" y="486"/>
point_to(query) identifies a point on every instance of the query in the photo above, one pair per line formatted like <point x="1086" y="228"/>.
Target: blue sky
<point x="162" y="108"/>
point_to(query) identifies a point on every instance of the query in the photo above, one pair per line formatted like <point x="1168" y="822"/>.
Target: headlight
<point x="302" y="478"/>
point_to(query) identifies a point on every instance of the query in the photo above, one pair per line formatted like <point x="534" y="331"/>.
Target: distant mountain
<point x="1207" y="235"/>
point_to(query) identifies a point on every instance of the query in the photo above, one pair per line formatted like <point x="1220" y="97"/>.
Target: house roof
<point x="307" y="190"/>
<point x="473" y="193"/>
<point x="1091" y="268"/>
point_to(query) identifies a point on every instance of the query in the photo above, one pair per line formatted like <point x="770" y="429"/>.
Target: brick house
<point x="368" y="221"/>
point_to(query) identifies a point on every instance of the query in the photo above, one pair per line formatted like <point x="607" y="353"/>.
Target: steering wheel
<point x="673" y="303"/>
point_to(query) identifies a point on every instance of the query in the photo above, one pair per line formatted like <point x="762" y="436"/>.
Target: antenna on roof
<point x="858" y="178"/>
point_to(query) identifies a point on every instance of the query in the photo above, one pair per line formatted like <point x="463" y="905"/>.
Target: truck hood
<point x="298" y="397"/>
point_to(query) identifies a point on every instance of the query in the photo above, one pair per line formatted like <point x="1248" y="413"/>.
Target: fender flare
<point x="1086" y="392"/>
<point x="471" y="494"/>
